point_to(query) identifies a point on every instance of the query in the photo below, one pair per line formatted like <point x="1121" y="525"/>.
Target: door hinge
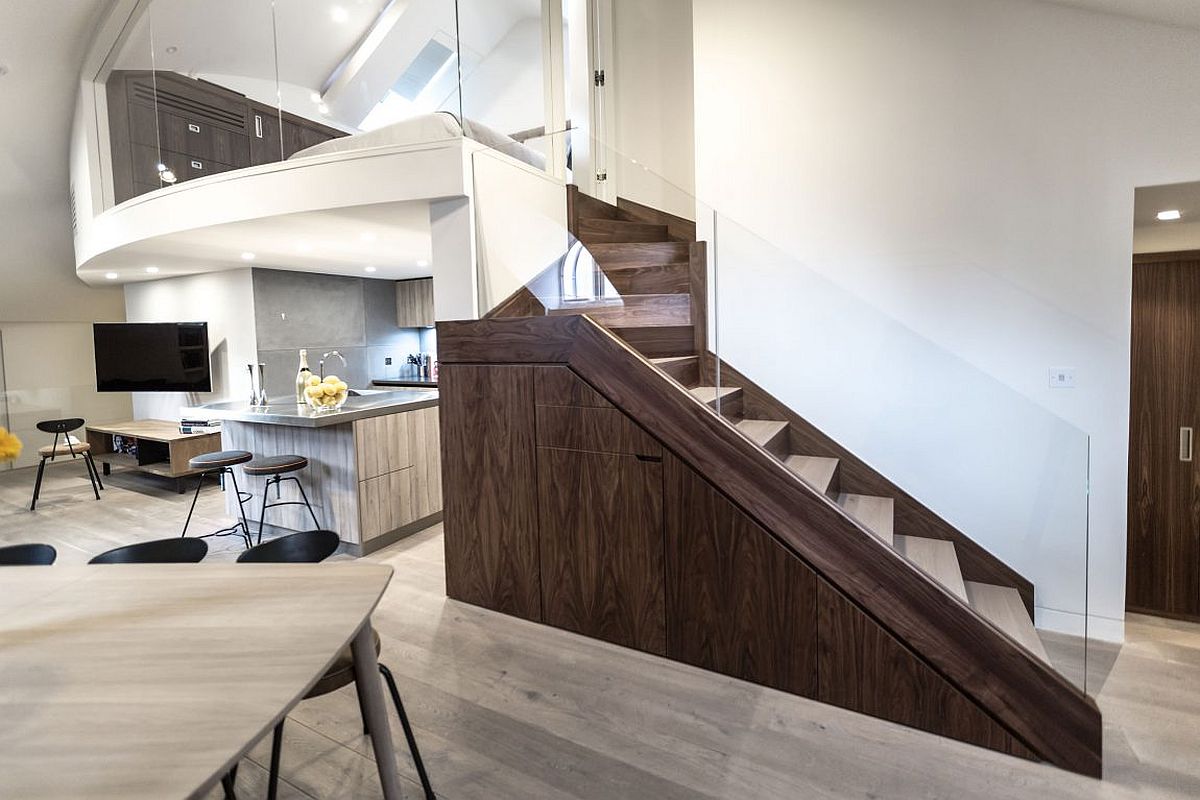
<point x="602" y="175"/>
<point x="598" y="77"/>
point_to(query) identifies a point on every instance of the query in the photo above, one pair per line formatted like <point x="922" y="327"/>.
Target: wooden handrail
<point x="1038" y="706"/>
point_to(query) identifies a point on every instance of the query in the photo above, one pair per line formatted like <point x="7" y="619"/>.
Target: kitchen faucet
<point x="321" y="365"/>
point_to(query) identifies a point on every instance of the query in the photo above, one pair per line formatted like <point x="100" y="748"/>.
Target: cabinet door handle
<point x="197" y="165"/>
<point x="258" y="126"/>
<point x="193" y="127"/>
<point x="1185" y="444"/>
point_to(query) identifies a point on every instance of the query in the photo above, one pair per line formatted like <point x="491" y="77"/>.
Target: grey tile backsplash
<point x="355" y="316"/>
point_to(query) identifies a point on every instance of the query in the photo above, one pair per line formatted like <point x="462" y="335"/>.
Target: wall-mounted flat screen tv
<point x="152" y="357"/>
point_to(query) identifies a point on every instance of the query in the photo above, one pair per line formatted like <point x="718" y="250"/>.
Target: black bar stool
<point x="75" y="449"/>
<point x="221" y="464"/>
<point x="278" y="468"/>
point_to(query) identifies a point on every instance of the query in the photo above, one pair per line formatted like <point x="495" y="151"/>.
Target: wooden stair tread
<point x="875" y="513"/>
<point x="937" y="557"/>
<point x="816" y="471"/>
<point x="1002" y="606"/>
<point x="761" y="431"/>
<point x="709" y="394"/>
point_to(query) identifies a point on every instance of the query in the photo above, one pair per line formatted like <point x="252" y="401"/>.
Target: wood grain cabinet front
<point x="601" y="522"/>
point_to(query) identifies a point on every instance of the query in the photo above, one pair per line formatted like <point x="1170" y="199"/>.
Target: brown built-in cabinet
<point x="194" y="128"/>
<point x="561" y="509"/>
<point x="414" y="303"/>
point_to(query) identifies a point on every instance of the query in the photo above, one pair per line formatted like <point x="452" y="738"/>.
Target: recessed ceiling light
<point x="370" y="269"/>
<point x="422" y="263"/>
<point x="315" y="97"/>
<point x="248" y="256"/>
<point x="322" y="108"/>
<point x="112" y="276"/>
<point x="367" y="236"/>
<point x="152" y="270"/>
<point x="303" y="247"/>
<point x="1168" y="216"/>
<point x="339" y="14"/>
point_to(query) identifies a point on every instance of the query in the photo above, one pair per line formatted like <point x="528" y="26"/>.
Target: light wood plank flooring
<point x="509" y="709"/>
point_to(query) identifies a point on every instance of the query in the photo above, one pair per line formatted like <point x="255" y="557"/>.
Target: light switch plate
<point x="1062" y="378"/>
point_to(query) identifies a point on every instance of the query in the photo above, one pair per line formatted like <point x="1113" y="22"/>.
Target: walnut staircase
<point x="621" y="482"/>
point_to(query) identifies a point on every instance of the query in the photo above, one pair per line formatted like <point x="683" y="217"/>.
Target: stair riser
<point x="655" y="279"/>
<point x="777" y="445"/>
<point x="677" y="340"/>
<point x="686" y="372"/>
<point x="592" y="236"/>
<point x="639" y="312"/>
<point x="635" y="254"/>
<point x="731" y="406"/>
<point x="589" y="207"/>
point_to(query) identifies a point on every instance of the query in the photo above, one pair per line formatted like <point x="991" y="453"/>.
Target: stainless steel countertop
<point x="285" y="410"/>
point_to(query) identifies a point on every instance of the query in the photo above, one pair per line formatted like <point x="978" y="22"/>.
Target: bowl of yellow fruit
<point x="326" y="394"/>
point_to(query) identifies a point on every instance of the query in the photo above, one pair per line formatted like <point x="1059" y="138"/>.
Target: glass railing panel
<point x="989" y="460"/>
<point x="803" y="366"/>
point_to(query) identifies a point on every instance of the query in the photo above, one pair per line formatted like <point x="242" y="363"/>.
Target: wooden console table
<point x="161" y="448"/>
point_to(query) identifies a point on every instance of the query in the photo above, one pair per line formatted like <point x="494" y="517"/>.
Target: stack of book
<point x="199" y="425"/>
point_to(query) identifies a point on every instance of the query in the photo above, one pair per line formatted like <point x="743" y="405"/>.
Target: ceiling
<point x="1181" y="13"/>
<point x="1150" y="200"/>
<point x="387" y="240"/>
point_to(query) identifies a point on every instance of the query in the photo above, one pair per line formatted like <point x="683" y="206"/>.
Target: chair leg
<point x="262" y="517"/>
<point x="311" y="513"/>
<point x="188" y="521"/>
<point x="276" y="747"/>
<point x="87" y="465"/>
<point x="408" y="733"/>
<point x="229" y="784"/>
<point x="37" y="485"/>
<point x="95" y="471"/>
<point x="241" y="510"/>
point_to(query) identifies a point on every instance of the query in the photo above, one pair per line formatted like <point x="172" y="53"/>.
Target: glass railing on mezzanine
<point x="916" y="440"/>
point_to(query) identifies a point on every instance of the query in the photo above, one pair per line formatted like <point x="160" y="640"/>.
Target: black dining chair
<point x="27" y="555"/>
<point x="160" y="551"/>
<point x="310" y="547"/>
<point x="69" y="447"/>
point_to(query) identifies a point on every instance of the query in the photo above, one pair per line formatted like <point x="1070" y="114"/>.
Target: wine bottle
<point x="302" y="377"/>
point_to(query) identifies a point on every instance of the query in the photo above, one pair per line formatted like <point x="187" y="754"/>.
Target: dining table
<point x="154" y="680"/>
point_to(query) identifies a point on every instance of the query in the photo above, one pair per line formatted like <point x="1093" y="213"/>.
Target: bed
<point x="434" y="127"/>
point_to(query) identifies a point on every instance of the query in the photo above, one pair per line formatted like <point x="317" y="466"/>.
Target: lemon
<point x="313" y="380"/>
<point x="332" y="379"/>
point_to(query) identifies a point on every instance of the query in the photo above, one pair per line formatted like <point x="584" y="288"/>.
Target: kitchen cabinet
<point x="414" y="303"/>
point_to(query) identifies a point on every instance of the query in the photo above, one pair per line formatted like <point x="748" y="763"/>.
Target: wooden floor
<point x="508" y="709"/>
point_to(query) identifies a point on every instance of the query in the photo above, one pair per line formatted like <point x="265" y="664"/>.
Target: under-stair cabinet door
<point x="1163" y="564"/>
<point x="600" y="516"/>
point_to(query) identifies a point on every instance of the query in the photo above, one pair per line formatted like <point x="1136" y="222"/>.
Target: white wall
<point x="50" y="373"/>
<point x="505" y="91"/>
<point x="652" y="79"/>
<point x="959" y="174"/>
<point x="225" y="300"/>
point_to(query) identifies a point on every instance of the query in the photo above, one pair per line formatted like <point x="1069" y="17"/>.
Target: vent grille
<point x="74" y="211"/>
<point x="167" y="100"/>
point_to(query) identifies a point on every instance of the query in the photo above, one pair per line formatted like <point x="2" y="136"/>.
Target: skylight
<point x="433" y="56"/>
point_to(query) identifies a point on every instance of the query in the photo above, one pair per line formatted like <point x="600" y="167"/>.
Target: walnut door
<point x="1163" y="564"/>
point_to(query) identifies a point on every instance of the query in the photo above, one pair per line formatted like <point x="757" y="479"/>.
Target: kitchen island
<point x="374" y="472"/>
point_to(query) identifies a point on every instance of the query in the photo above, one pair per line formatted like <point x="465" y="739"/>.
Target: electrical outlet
<point x="1062" y="378"/>
<point x="387" y="361"/>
